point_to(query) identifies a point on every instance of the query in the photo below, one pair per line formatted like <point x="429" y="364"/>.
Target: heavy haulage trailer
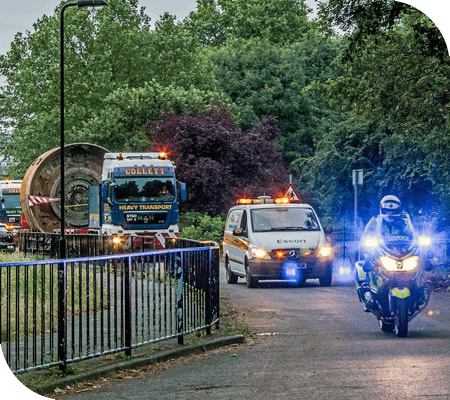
<point x="132" y="197"/>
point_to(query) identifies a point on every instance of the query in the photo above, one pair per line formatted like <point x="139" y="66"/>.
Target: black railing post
<point x="180" y="285"/>
<point x="62" y="315"/>
<point x="208" y="308"/>
<point x="128" y="311"/>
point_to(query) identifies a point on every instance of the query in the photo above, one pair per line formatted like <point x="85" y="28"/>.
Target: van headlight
<point x="325" y="251"/>
<point x="407" y="265"/>
<point x="260" y="252"/>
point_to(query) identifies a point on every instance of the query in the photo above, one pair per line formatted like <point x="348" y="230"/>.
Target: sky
<point x="19" y="15"/>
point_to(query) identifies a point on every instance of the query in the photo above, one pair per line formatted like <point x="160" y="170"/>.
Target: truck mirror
<point x="183" y="196"/>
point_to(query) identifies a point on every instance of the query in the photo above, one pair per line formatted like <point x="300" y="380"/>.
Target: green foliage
<point x="362" y="19"/>
<point x="109" y="54"/>
<point x="277" y="21"/>
<point x="264" y="79"/>
<point x="396" y="78"/>
<point x="375" y="98"/>
<point x="121" y="125"/>
<point x="198" y="226"/>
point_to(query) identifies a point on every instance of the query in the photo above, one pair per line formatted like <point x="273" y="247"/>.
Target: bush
<point x="198" y="226"/>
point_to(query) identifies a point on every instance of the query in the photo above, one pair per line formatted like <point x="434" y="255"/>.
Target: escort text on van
<point x="272" y="239"/>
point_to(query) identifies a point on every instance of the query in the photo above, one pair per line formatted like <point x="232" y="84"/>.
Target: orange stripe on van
<point x="236" y="241"/>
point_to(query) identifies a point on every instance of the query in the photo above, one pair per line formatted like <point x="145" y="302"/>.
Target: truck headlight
<point x="118" y="240"/>
<point x="392" y="265"/>
<point x="260" y="252"/>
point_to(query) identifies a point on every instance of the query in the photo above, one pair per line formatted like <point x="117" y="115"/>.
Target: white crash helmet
<point x="390" y="206"/>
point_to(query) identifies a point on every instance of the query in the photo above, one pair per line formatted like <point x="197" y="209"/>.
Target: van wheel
<point x="251" y="281"/>
<point x="327" y="278"/>
<point x="231" y="277"/>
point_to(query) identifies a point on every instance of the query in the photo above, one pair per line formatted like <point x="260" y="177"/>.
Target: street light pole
<point x="79" y="3"/>
<point x="62" y="272"/>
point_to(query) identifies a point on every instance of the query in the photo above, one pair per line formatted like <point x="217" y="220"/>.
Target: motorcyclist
<point x="391" y="223"/>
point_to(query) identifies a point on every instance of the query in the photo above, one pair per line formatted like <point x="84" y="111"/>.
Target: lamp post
<point x="62" y="313"/>
<point x="79" y="3"/>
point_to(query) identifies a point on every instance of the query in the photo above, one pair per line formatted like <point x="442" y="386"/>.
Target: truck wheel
<point x="251" y="281"/>
<point x="327" y="278"/>
<point x="231" y="277"/>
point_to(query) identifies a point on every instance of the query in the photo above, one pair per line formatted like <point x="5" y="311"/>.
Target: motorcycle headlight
<point x="411" y="263"/>
<point x="407" y="265"/>
<point x="260" y="252"/>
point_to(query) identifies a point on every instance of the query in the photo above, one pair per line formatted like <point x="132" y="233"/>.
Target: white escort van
<point x="273" y="239"/>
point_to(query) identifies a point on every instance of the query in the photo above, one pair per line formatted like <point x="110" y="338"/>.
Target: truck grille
<point x="146" y="218"/>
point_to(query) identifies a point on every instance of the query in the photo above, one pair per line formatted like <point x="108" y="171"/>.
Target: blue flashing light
<point x="343" y="272"/>
<point x="370" y="243"/>
<point x="425" y="241"/>
<point x="291" y="272"/>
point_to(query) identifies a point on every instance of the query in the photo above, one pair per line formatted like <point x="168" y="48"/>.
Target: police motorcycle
<point x="392" y="280"/>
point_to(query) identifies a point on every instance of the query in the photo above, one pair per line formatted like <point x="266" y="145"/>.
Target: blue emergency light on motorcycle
<point x="425" y="241"/>
<point x="371" y="243"/>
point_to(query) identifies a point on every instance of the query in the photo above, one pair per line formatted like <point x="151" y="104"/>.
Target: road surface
<point x="308" y="343"/>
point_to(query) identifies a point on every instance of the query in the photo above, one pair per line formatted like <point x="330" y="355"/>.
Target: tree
<point x="108" y="53"/>
<point x="218" y="162"/>
<point x="361" y="19"/>
<point x="397" y="73"/>
<point x="278" y="21"/>
<point x="265" y="79"/>
<point x="123" y="123"/>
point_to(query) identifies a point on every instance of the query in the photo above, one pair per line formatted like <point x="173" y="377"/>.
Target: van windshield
<point x="284" y="219"/>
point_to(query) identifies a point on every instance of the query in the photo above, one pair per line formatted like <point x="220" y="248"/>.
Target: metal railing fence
<point x="53" y="313"/>
<point x="46" y="244"/>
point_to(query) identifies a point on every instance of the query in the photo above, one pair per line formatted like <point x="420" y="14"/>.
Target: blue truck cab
<point x="138" y="196"/>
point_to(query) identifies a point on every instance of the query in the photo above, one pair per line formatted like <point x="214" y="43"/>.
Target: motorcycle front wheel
<point x="401" y="320"/>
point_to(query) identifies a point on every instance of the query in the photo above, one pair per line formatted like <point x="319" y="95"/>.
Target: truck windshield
<point x="284" y="219"/>
<point x="11" y="201"/>
<point x="144" y="189"/>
